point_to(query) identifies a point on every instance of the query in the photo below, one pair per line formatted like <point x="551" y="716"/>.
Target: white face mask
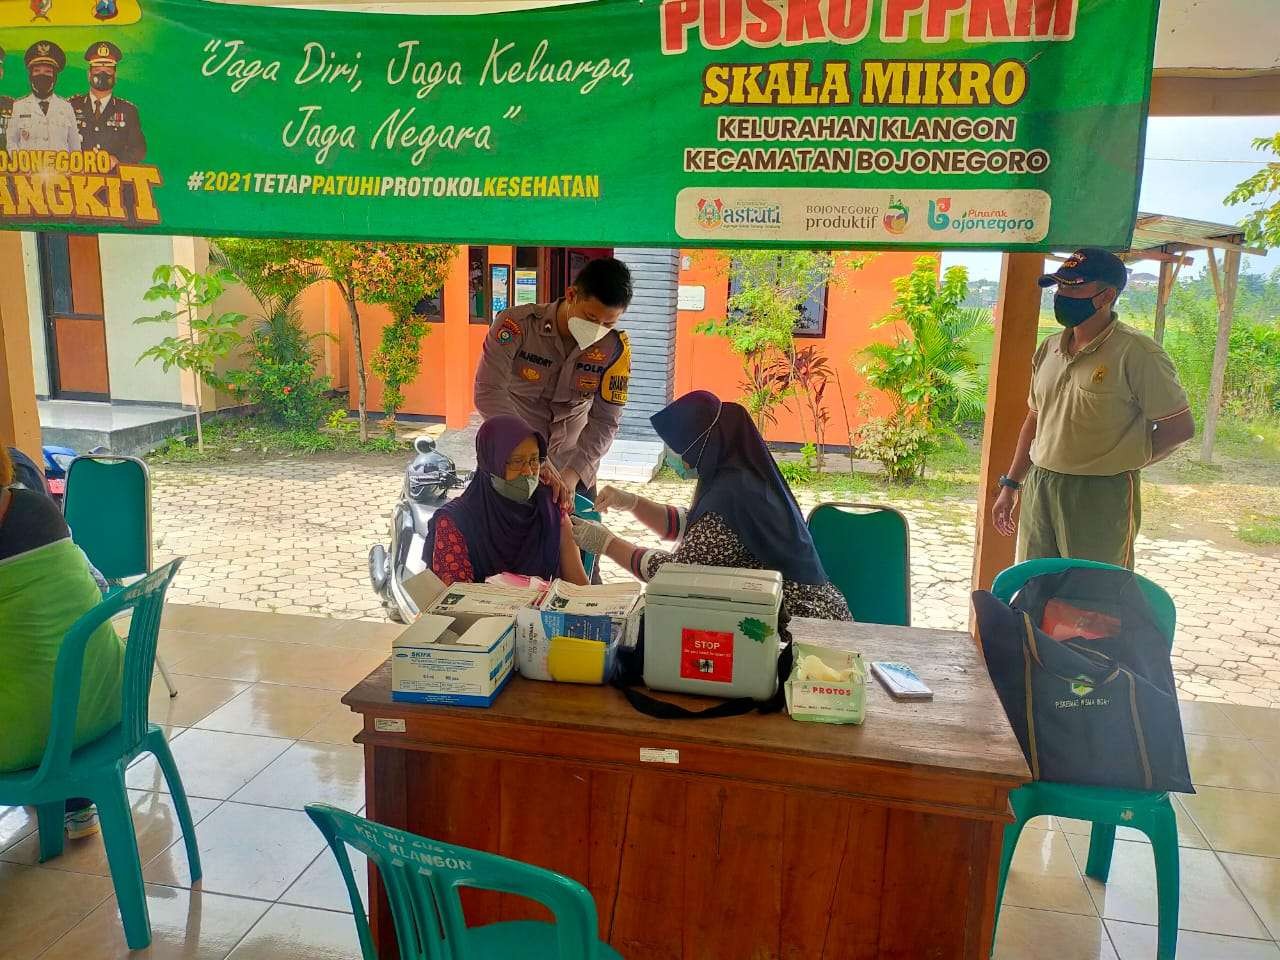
<point x="586" y="332"/>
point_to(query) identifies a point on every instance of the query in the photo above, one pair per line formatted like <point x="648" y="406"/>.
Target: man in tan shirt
<point x="1105" y="401"/>
<point x="564" y="369"/>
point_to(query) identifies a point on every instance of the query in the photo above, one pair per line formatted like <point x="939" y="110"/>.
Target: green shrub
<point x="899" y="444"/>
<point x="279" y="373"/>
<point x="290" y="393"/>
<point x="795" y="472"/>
<point x="307" y="441"/>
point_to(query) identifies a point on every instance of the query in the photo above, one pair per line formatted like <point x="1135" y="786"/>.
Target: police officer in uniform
<point x="105" y="120"/>
<point x="564" y="369"/>
<point x="42" y="120"/>
<point x="6" y="106"/>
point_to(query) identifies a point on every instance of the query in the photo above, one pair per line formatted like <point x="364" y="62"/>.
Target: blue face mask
<point x="676" y="463"/>
<point x="1072" y="311"/>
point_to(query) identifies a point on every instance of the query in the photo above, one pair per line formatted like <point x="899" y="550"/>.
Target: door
<point x="75" y="326"/>
<point x="564" y="264"/>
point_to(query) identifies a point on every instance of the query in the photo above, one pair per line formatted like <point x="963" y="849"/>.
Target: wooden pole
<point x="1017" y="319"/>
<point x="19" y="416"/>
<point x="1163" y="289"/>
<point x="1226" y="311"/>
<point x="1215" y="276"/>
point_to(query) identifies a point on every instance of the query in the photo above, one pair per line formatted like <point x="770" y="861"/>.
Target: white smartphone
<point x="901" y="681"/>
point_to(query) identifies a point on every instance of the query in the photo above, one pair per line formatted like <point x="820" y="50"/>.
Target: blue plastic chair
<point x="1104" y="807"/>
<point x="107" y="505"/>
<point x="97" y="770"/>
<point x="422" y="878"/>
<point x="863" y="547"/>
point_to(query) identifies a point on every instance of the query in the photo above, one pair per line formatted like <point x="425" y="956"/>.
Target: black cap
<point x="104" y="51"/>
<point x="45" y="51"/>
<point x="1086" y="265"/>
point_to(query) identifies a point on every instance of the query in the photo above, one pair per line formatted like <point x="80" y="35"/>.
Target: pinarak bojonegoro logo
<point x="76" y="187"/>
<point x="939" y="218"/>
<point x="996" y="220"/>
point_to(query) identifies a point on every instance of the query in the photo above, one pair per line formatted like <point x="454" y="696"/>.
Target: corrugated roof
<point x="1153" y="231"/>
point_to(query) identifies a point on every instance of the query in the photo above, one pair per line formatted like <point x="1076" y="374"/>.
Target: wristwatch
<point x="1007" y="481"/>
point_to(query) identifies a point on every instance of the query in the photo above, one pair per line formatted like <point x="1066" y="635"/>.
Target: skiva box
<point x="461" y="651"/>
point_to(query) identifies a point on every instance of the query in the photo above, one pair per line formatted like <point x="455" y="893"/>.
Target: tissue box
<point x="462" y="661"/>
<point x="573" y="635"/>
<point x="824" y="701"/>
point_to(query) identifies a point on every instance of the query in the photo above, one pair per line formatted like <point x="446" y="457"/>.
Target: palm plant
<point x="930" y="369"/>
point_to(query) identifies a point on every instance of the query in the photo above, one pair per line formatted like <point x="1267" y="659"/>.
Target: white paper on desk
<point x="598" y="600"/>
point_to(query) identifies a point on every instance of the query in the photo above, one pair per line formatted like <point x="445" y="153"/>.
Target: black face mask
<point x="102" y="80"/>
<point x="42" y="86"/>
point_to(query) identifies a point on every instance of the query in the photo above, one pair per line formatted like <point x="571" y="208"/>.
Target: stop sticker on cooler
<point x="706" y="655"/>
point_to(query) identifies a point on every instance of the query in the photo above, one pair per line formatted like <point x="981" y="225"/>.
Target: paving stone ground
<point x="293" y="536"/>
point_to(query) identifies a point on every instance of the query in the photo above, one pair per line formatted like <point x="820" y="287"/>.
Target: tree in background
<point x="204" y="337"/>
<point x="929" y="370"/>
<point x="400" y="275"/>
<point x="1262" y="192"/>
<point x="282" y="265"/>
<point x="1251" y="388"/>
<point x="769" y="291"/>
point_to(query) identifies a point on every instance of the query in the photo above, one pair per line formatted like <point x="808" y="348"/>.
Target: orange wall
<point x="449" y="354"/>
<point x="705" y="362"/>
<point x="451" y="351"/>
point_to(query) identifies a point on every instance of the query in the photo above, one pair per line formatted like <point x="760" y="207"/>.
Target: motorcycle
<point x="56" y="462"/>
<point x="427" y="482"/>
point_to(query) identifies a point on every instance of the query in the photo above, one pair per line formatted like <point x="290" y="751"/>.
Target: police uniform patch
<point x="595" y="355"/>
<point x="1099" y="374"/>
<point x="587" y="383"/>
<point x="507" y="331"/>
<point x="616" y="379"/>
<point x="532" y="374"/>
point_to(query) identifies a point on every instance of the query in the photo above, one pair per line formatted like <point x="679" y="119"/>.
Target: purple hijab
<point x="503" y="536"/>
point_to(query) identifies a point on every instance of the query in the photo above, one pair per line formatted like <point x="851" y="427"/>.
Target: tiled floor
<point x="258" y="731"/>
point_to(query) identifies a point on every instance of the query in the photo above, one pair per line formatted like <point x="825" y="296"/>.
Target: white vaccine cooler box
<point x="712" y="631"/>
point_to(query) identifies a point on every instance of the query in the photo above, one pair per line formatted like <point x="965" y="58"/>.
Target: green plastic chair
<point x="97" y="770"/>
<point x="585" y="508"/>
<point x="861" y="546"/>
<point x="422" y="878"/>
<point x="1104" y="807"/>
<point x="107" y="505"/>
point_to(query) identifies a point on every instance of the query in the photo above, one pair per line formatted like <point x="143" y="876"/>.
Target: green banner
<point x="996" y="124"/>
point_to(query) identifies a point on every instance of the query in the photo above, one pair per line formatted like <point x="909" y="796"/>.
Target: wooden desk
<point x="768" y="839"/>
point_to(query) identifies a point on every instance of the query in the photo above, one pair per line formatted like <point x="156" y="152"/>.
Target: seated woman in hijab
<point x="505" y="521"/>
<point x="743" y="513"/>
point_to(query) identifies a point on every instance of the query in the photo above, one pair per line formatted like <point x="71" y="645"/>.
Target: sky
<point x="1191" y="164"/>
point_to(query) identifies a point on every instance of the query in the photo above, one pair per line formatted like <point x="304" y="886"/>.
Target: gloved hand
<point x="591" y="536"/>
<point x="611" y="497"/>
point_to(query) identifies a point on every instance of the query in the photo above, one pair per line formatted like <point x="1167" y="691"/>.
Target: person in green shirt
<point x="45" y="586"/>
<point x="1104" y="403"/>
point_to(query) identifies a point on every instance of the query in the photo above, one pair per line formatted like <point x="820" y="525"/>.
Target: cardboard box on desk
<point x="461" y="650"/>
<point x="573" y="635"/>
